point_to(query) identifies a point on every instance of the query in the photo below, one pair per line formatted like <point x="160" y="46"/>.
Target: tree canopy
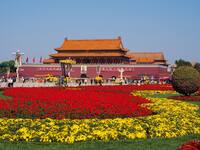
<point x="197" y="67"/>
<point x="182" y="62"/>
<point x="5" y="64"/>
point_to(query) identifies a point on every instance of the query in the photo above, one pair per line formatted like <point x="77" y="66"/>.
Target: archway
<point x="83" y="75"/>
<point x="114" y="77"/>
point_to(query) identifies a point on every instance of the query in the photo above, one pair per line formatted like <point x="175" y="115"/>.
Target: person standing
<point x="10" y="82"/>
<point x="91" y="81"/>
<point x="85" y="81"/>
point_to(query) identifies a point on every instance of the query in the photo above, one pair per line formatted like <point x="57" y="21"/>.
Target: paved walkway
<point x="47" y="84"/>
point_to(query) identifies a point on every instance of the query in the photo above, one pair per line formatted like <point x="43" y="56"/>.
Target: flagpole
<point x="27" y="60"/>
<point x="40" y="60"/>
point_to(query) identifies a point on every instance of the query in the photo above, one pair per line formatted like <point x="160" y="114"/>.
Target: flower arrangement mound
<point x="170" y="119"/>
<point x="62" y="103"/>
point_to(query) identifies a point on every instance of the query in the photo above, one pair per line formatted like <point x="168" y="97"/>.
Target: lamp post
<point x="66" y="66"/>
<point x="121" y="70"/>
<point x="98" y="69"/>
<point x="18" y="62"/>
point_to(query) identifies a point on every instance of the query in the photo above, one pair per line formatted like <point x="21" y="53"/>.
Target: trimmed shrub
<point x="186" y="80"/>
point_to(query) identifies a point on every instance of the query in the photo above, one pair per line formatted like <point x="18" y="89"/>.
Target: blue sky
<point x="37" y="26"/>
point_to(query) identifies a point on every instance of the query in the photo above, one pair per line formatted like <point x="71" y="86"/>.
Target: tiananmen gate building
<point x="105" y="56"/>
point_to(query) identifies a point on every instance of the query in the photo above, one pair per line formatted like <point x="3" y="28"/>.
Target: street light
<point x="66" y="66"/>
<point x="18" y="62"/>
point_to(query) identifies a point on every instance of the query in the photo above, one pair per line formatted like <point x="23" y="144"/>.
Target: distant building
<point x="106" y="56"/>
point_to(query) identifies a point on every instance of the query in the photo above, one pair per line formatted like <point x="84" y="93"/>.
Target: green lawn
<point x="137" y="144"/>
<point x="168" y="95"/>
<point x="3" y="96"/>
<point x="158" y="95"/>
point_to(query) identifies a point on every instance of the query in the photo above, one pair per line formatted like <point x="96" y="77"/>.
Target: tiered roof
<point x="92" y="44"/>
<point x="146" y="57"/>
<point x="50" y="60"/>
<point x="103" y="48"/>
<point x="85" y="54"/>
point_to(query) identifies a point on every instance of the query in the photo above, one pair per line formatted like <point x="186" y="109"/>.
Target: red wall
<point x="106" y="71"/>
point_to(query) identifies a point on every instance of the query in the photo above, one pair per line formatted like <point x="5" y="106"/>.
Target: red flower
<point x="190" y="145"/>
<point x="86" y="102"/>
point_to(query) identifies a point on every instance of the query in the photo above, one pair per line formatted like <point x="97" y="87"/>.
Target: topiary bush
<point x="186" y="80"/>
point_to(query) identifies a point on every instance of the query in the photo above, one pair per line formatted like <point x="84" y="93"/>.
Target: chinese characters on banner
<point x="49" y="69"/>
<point x="117" y="68"/>
<point x="102" y="68"/>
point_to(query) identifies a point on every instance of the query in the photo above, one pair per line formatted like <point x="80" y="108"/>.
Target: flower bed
<point x="128" y="88"/>
<point x="68" y="103"/>
<point x="190" y="145"/>
<point x="171" y="119"/>
<point x="186" y="98"/>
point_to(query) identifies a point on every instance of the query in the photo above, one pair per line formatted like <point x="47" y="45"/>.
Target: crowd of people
<point x="40" y="82"/>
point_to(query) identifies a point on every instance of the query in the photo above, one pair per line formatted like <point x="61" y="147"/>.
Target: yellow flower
<point x="172" y="118"/>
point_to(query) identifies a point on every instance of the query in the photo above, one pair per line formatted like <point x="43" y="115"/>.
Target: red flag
<point x="40" y="59"/>
<point x="33" y="59"/>
<point x="27" y="60"/>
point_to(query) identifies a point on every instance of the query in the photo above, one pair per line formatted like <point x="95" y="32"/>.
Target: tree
<point x="182" y="62"/>
<point x="186" y="80"/>
<point x="4" y="66"/>
<point x="197" y="67"/>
